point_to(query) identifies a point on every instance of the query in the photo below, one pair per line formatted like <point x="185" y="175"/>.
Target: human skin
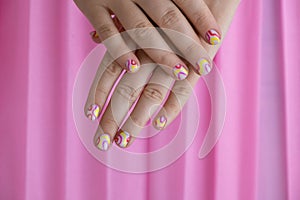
<point x="152" y="94"/>
<point x="178" y="15"/>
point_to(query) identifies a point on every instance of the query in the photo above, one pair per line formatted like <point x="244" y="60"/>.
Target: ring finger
<point x="152" y="97"/>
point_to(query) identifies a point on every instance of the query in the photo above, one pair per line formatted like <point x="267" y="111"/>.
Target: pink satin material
<point x="41" y="157"/>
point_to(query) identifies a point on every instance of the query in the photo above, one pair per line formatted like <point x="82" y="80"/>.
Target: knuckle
<point x="182" y="91"/>
<point x="109" y="123"/>
<point x="137" y="121"/>
<point x="174" y="108"/>
<point x="142" y="31"/>
<point x="113" y="70"/>
<point x="180" y="2"/>
<point x="201" y="19"/>
<point x="106" y="61"/>
<point x="165" y="57"/>
<point x="154" y="93"/>
<point x="101" y="92"/>
<point x="142" y="24"/>
<point x="128" y="92"/>
<point x="105" y="30"/>
<point x="169" y="18"/>
<point x="190" y="48"/>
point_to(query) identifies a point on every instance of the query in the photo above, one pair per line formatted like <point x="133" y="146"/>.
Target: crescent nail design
<point x="93" y="112"/>
<point x="203" y="67"/>
<point x="160" y="122"/>
<point x="122" y="139"/>
<point x="180" y="72"/>
<point x="102" y="142"/>
<point x="213" y="37"/>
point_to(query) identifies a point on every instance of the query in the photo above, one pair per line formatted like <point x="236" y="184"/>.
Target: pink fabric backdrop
<point x="42" y="157"/>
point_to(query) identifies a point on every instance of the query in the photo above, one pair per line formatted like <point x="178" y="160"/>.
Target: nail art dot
<point x="203" y="67"/>
<point x="93" y="112"/>
<point x="132" y="66"/>
<point x="180" y="72"/>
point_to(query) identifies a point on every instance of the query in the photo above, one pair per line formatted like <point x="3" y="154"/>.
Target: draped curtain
<point x="43" y="44"/>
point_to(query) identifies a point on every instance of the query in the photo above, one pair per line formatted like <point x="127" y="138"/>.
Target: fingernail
<point x="180" y="71"/>
<point x="160" y="122"/>
<point x="93" y="112"/>
<point x="122" y="139"/>
<point x="102" y="142"/>
<point x="132" y="66"/>
<point x="94" y="34"/>
<point x="213" y="37"/>
<point x="203" y="67"/>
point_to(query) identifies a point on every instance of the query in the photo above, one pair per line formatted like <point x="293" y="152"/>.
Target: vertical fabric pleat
<point x="291" y="40"/>
<point x="272" y="137"/>
<point x="240" y="64"/>
<point x="14" y="29"/>
<point x="46" y="114"/>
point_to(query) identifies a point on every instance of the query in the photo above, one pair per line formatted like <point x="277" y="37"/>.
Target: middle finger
<point x="124" y="96"/>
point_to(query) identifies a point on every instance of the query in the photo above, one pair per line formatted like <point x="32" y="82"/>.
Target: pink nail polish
<point x="180" y="72"/>
<point x="122" y="139"/>
<point x="213" y="37"/>
<point x="93" y="112"/>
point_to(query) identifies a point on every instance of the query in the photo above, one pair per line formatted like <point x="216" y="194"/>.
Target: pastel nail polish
<point x="203" y="67"/>
<point x="180" y="72"/>
<point x="160" y="122"/>
<point x="122" y="139"/>
<point x="132" y="66"/>
<point x="93" y="112"/>
<point x="102" y="142"/>
<point x="213" y="37"/>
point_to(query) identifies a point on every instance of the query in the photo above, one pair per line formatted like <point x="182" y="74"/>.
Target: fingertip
<point x="160" y="122"/>
<point x="180" y="71"/>
<point x="93" y="112"/>
<point x="213" y="37"/>
<point x="203" y="67"/>
<point x="102" y="141"/>
<point x="132" y="65"/>
<point x="122" y="139"/>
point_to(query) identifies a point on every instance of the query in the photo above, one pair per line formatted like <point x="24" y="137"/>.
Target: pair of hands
<point x="147" y="87"/>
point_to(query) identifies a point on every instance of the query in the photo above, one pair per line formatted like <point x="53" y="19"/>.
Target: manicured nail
<point x="132" y="66"/>
<point x="122" y="139"/>
<point x="102" y="142"/>
<point x="94" y="34"/>
<point x="180" y="71"/>
<point x="93" y="112"/>
<point x="160" y="122"/>
<point x="213" y="37"/>
<point x="203" y="67"/>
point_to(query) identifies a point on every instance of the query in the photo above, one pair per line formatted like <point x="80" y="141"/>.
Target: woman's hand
<point x="131" y="87"/>
<point x="136" y="14"/>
